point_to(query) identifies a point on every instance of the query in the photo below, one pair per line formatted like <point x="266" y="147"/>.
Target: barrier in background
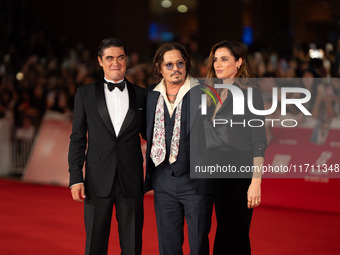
<point x="21" y="149"/>
<point x="5" y="146"/>
<point x="309" y="189"/>
<point x="48" y="160"/>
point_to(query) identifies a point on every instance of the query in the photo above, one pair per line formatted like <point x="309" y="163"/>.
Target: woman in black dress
<point x="241" y="146"/>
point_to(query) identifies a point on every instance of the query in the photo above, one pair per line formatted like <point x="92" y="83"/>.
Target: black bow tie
<point x="111" y="86"/>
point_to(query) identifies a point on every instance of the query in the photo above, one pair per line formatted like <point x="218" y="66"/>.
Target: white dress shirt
<point x="117" y="103"/>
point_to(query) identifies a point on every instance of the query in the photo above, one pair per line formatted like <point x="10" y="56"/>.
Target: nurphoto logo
<point x="239" y="103"/>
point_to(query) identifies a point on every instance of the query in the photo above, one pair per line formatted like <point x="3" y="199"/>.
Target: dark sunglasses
<point x="179" y="64"/>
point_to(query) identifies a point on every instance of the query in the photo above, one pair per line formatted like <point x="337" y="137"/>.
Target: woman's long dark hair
<point x="237" y="50"/>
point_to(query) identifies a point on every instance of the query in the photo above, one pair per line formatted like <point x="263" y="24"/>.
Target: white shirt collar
<point x="107" y="80"/>
<point x="187" y="85"/>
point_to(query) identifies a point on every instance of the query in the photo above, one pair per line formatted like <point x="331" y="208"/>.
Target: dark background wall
<point x="275" y="24"/>
<point x="218" y="20"/>
<point x="91" y="21"/>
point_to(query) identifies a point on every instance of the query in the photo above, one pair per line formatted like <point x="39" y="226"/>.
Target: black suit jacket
<point x="240" y="137"/>
<point x="93" y="140"/>
<point x="193" y="113"/>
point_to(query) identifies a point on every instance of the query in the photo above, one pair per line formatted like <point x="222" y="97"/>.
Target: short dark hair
<point x="159" y="57"/>
<point x="110" y="42"/>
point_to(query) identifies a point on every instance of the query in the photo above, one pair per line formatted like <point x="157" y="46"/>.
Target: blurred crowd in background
<point x="40" y="73"/>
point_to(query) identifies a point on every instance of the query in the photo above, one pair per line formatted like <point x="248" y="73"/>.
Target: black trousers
<point x="233" y="216"/>
<point x="98" y="215"/>
<point x="176" y="198"/>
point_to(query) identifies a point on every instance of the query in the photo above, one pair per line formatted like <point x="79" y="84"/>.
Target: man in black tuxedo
<point x="170" y="116"/>
<point x="109" y="117"/>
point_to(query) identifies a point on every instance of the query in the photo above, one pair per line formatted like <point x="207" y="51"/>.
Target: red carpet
<point x="36" y="219"/>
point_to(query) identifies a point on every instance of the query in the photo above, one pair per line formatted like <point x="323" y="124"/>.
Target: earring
<point x="238" y="67"/>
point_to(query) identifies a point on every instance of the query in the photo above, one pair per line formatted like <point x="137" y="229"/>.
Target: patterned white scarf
<point x="158" y="149"/>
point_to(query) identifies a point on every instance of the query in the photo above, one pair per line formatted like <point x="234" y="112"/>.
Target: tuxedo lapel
<point x="132" y="108"/>
<point x="102" y="107"/>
